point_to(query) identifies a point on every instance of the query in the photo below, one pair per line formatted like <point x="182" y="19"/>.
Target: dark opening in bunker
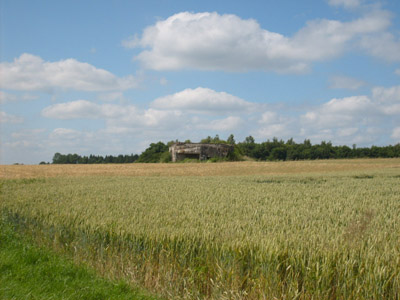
<point x="189" y="156"/>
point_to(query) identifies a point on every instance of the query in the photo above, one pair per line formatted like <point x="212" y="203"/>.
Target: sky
<point x="111" y="77"/>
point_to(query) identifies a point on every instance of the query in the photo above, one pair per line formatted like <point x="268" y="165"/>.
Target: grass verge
<point x="31" y="272"/>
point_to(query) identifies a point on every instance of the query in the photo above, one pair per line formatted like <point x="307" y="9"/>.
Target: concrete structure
<point x="180" y="151"/>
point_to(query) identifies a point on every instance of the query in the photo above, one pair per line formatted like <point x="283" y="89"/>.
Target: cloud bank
<point x="202" y="100"/>
<point x="31" y="73"/>
<point x="210" y="41"/>
<point x="358" y="118"/>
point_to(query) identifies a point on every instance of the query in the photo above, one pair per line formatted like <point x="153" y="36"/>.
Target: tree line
<point x="270" y="150"/>
<point x="290" y="150"/>
<point x="59" y="158"/>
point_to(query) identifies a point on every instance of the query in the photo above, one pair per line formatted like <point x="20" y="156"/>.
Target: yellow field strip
<point x="198" y="169"/>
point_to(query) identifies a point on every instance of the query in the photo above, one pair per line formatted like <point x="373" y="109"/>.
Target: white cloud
<point x="383" y="45"/>
<point x="339" y="113"/>
<point x="24" y="146"/>
<point x="343" y="82"/>
<point x="228" y="124"/>
<point x="7" y="97"/>
<point x="154" y="117"/>
<point x="397" y="72"/>
<point x="354" y="104"/>
<point x="163" y="81"/>
<point x="345" y="3"/>
<point x="80" y="109"/>
<point x="63" y="134"/>
<point x="269" y="117"/>
<point x="345" y="132"/>
<point x="209" y="41"/>
<point x="7" y="118"/>
<point x="361" y="120"/>
<point x="357" y="119"/>
<point x="396" y="134"/>
<point x="109" y="97"/>
<point x="202" y="100"/>
<point x="393" y="109"/>
<point x="388" y="99"/>
<point x="275" y="124"/>
<point x="27" y="133"/>
<point x="116" y="116"/>
<point x="31" y="73"/>
<point x="274" y="130"/>
<point x="83" y="109"/>
<point x="387" y="95"/>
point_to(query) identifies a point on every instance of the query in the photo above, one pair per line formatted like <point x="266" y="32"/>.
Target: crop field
<point x="245" y="230"/>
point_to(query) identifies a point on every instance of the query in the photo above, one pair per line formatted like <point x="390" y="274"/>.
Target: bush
<point x="165" y="157"/>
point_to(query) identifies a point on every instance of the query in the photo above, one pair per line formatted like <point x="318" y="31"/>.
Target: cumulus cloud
<point x="113" y="96"/>
<point x="348" y="120"/>
<point x="355" y="104"/>
<point x="12" y="119"/>
<point x="387" y="95"/>
<point x="116" y="116"/>
<point x="80" y="109"/>
<point x="70" y="136"/>
<point x="197" y="109"/>
<point x="343" y="82"/>
<point x="356" y="119"/>
<point x="31" y="73"/>
<point x="275" y="124"/>
<point x="339" y="113"/>
<point x="396" y="134"/>
<point x="346" y="132"/>
<point x="227" y="124"/>
<point x="210" y="41"/>
<point x="202" y="100"/>
<point x="345" y="3"/>
<point x="7" y="97"/>
<point x="269" y="117"/>
<point x="83" y="109"/>
<point x="384" y="45"/>
<point x="388" y="98"/>
<point x="275" y="130"/>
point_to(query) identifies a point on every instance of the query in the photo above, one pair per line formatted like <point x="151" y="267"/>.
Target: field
<point x="28" y="271"/>
<point x="246" y="230"/>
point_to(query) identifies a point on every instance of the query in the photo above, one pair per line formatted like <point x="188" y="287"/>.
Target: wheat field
<point x="246" y="230"/>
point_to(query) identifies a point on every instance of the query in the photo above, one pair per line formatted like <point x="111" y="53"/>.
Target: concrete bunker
<point x="180" y="151"/>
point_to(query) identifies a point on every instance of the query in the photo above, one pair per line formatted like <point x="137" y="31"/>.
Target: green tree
<point x="231" y="140"/>
<point x="207" y="140"/>
<point x="278" y="153"/>
<point x="216" y="139"/>
<point x="58" y="158"/>
<point x="153" y="153"/>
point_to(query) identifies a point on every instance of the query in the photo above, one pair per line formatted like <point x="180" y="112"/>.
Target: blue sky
<point x="111" y="77"/>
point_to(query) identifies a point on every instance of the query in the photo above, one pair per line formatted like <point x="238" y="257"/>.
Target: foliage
<point x="154" y="153"/>
<point x="214" y="140"/>
<point x="279" y="150"/>
<point x="59" y="158"/>
<point x="165" y="157"/>
<point x="316" y="233"/>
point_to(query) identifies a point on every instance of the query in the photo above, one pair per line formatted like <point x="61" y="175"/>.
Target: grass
<point x="31" y="272"/>
<point x="303" y="230"/>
